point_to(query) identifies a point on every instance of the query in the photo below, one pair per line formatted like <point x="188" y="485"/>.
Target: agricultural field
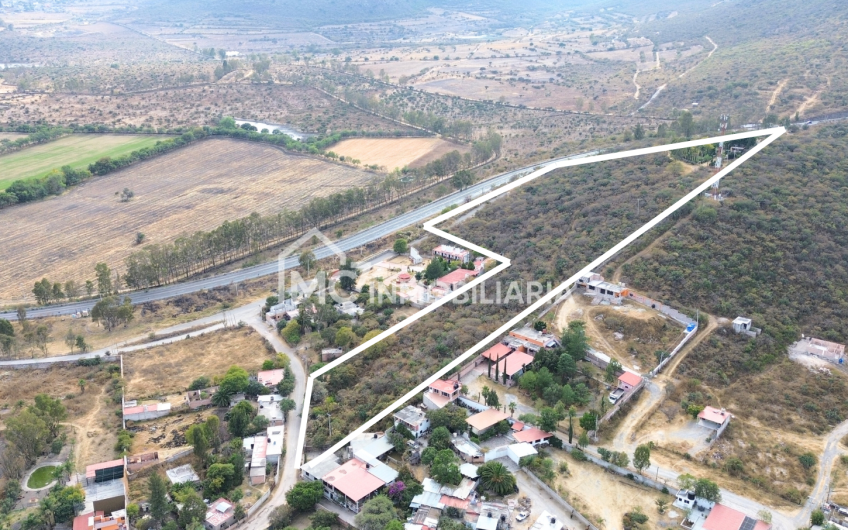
<point x="392" y="153"/>
<point x="77" y="151"/>
<point x="195" y="188"/>
<point x="169" y="369"/>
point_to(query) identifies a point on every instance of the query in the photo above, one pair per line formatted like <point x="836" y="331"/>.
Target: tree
<point x="512" y="406"/>
<point x="193" y="508"/>
<point x="287" y="405"/>
<point x="111" y="312"/>
<point x="686" y="123"/>
<point x="239" y="513"/>
<point x="571" y="413"/>
<point x="588" y="421"/>
<point x="198" y="437"/>
<point x="28" y="432"/>
<point x="305" y="495"/>
<point x="71" y="289"/>
<point x="583" y="440"/>
<point x="221" y="399"/>
<point x="638" y="131"/>
<point x="52" y="411"/>
<point x="307" y="260"/>
<point x="495" y="477"/>
<point x="444" y="468"/>
<point x="686" y="481"/>
<point x="662" y="505"/>
<point x="548" y="419"/>
<point x="235" y="380"/>
<point x="133" y="510"/>
<point x="240" y="418"/>
<point x="707" y="490"/>
<point x="817" y="517"/>
<point x="104" y="279"/>
<point x="157" y="498"/>
<point x="451" y="416"/>
<point x="324" y="519"/>
<point x="376" y="514"/>
<point x="89" y="287"/>
<point x="642" y="457"/>
<point x="462" y="179"/>
<point x="764" y="516"/>
<point x="440" y="438"/>
<point x="219" y="479"/>
<point x="612" y="370"/>
<point x="574" y="340"/>
<point x="808" y="460"/>
<point x="435" y="269"/>
<point x="6" y="328"/>
<point x="281" y="517"/>
<point x="401" y="246"/>
<point x="43" y="291"/>
<point x="345" y="337"/>
<point x="82" y="346"/>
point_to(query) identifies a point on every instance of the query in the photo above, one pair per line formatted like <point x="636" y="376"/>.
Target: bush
<point x="579" y="455"/>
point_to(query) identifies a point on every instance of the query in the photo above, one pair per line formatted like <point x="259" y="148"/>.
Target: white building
<point x="413" y="419"/>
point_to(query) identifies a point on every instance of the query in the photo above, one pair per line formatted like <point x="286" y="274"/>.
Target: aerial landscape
<point x="423" y="265"/>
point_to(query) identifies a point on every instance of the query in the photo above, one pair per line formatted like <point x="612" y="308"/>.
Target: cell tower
<point x="716" y="193"/>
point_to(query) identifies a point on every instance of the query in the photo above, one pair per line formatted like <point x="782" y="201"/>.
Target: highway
<point x="265" y="269"/>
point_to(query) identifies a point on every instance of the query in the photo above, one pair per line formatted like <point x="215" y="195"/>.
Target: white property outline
<point x="429" y="226"/>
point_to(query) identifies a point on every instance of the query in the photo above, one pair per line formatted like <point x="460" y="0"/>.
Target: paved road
<point x="265" y="269"/>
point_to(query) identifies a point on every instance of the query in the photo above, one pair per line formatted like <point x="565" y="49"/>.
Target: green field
<point x="77" y="151"/>
<point x="41" y="477"/>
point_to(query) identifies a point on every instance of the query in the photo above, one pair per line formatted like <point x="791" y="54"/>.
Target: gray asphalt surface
<point x="265" y="269"/>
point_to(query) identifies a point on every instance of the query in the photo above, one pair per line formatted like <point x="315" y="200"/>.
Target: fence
<point x="258" y="504"/>
<point x="688" y="334"/>
<point x="559" y="500"/>
<point x="622" y="401"/>
<point x="624" y="472"/>
<point x="662" y="308"/>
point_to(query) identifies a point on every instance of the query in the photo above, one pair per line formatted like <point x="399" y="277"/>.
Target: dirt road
<point x="776" y="93"/>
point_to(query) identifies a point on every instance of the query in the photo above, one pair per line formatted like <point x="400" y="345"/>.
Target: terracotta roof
<point x="723" y="518"/>
<point x="714" y="415"/>
<point x="456" y="276"/>
<point x="531" y="435"/>
<point x="353" y="479"/>
<point x="270" y="377"/>
<point x="444" y="386"/>
<point x="630" y="378"/>
<point x="81" y="521"/>
<point x="518" y="426"/>
<point x="514" y="363"/>
<point x="485" y="419"/>
<point x="498" y="351"/>
<point x="456" y="503"/>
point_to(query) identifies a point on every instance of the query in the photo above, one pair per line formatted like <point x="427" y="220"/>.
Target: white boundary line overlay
<point x="429" y="226"/>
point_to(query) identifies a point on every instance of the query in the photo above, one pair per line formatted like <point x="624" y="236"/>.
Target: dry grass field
<point x="196" y="188"/>
<point x="392" y="153"/>
<point x="11" y="135"/>
<point x="90" y="419"/>
<point x="171" y="368"/>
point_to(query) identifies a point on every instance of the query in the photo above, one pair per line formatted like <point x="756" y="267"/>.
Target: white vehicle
<point x="615" y="395"/>
<point x="521" y="516"/>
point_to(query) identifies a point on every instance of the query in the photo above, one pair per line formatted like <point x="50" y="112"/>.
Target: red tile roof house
<point x="452" y="253"/>
<point x="723" y="518"/>
<point x="221" y="514"/>
<point x="483" y="421"/>
<point x="533" y="436"/>
<point x="454" y="280"/>
<point x="716" y="419"/>
<point x="628" y="381"/>
<point x="497" y="352"/>
<point x="351" y="484"/>
<point x="440" y="393"/>
<point x="270" y="378"/>
<point x="513" y="366"/>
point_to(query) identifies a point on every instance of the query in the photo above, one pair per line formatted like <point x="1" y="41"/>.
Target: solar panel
<point x="748" y="524"/>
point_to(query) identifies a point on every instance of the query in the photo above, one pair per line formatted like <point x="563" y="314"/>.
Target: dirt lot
<point x="630" y="332"/>
<point x="597" y="494"/>
<point x="171" y="368"/>
<point x="196" y="188"/>
<point x="394" y="153"/>
<point x="90" y="416"/>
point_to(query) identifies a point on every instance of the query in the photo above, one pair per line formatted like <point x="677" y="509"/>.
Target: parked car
<point x="521" y="516"/>
<point x="615" y="395"/>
